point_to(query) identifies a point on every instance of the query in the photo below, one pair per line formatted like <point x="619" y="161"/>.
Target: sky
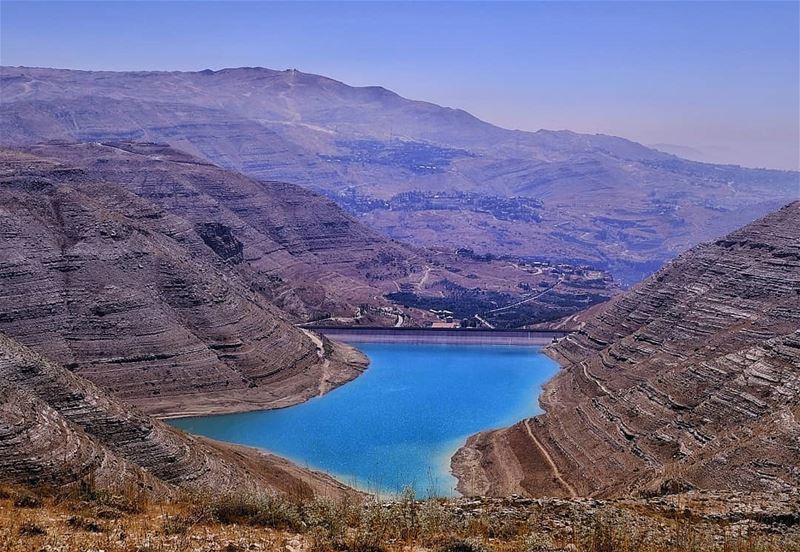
<point x="721" y="79"/>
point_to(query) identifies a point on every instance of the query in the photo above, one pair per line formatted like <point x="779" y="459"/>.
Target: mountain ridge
<point x="550" y="133"/>
<point x="606" y="201"/>
<point x="129" y="295"/>
<point x="178" y="285"/>
<point x="59" y="431"/>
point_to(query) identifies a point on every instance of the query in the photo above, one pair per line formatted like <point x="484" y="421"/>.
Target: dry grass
<point x="85" y="521"/>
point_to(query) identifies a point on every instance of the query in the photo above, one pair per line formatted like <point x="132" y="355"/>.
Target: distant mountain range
<point x="603" y="200"/>
<point x="686" y="152"/>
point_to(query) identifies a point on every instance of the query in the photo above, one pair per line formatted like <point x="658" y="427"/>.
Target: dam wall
<point x="379" y="334"/>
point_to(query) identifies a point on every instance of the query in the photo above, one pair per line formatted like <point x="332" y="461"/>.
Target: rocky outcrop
<point x="220" y="238"/>
<point x="130" y="296"/>
<point x="689" y="380"/>
<point x="58" y="430"/>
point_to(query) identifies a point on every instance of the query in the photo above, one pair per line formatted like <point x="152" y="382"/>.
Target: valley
<point x="406" y="276"/>
<point x="397" y="425"/>
<point x="187" y="289"/>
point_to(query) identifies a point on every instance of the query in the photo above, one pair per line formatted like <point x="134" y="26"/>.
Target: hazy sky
<point x="720" y="77"/>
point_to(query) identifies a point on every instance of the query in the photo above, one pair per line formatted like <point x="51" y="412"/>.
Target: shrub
<point x="27" y="501"/>
<point x="537" y="543"/>
<point x="30" y="529"/>
<point x="463" y="546"/>
<point x="84" y="524"/>
<point x="435" y="519"/>
<point x="175" y="525"/>
<point x="267" y="511"/>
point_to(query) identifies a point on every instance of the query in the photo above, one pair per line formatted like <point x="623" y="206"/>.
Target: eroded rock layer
<point x="130" y="296"/>
<point x="58" y="429"/>
<point x="691" y="379"/>
<point x="297" y="249"/>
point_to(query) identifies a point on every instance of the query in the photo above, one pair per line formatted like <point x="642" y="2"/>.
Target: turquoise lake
<point x="399" y="423"/>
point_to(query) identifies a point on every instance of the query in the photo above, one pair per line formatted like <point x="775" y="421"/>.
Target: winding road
<point x="546" y="455"/>
<point x="528" y="300"/>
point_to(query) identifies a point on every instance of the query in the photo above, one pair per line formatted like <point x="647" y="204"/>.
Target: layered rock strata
<point x="128" y="295"/>
<point x="690" y="379"/>
<point x="59" y="430"/>
<point x="298" y="250"/>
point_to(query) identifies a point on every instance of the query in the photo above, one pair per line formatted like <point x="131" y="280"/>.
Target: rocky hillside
<point x="691" y="379"/>
<point x="58" y="430"/>
<point x="130" y="296"/>
<point x="298" y="250"/>
<point x="562" y="196"/>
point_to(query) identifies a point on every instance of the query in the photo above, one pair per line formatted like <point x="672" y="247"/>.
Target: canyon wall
<point x="298" y="250"/>
<point x="130" y="296"/>
<point x="59" y="430"/>
<point x="690" y="379"/>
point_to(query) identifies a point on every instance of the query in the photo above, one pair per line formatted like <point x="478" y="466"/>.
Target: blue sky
<point x="721" y="77"/>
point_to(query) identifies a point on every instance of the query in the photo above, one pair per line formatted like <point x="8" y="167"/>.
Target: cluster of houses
<point x="445" y="319"/>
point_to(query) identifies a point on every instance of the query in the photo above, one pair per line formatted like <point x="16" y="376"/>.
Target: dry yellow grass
<point x="88" y="521"/>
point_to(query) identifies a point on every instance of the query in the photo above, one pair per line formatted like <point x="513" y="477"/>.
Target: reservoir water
<point x="398" y="423"/>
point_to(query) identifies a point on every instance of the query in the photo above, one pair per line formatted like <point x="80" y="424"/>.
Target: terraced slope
<point x="305" y="254"/>
<point x="130" y="296"/>
<point x="57" y="430"/>
<point x="691" y="379"/>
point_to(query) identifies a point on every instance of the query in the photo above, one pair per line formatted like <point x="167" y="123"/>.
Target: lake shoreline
<point x="448" y="395"/>
<point x="340" y="365"/>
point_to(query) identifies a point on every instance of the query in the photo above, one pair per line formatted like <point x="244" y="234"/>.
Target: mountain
<point x="289" y="246"/>
<point x="58" y="430"/>
<point x="547" y="195"/>
<point x="687" y="152"/>
<point x="177" y="285"/>
<point x="689" y="380"/>
<point x="131" y="297"/>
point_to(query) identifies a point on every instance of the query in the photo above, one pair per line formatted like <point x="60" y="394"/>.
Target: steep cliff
<point x="130" y="296"/>
<point x="690" y="379"/>
<point x="58" y="429"/>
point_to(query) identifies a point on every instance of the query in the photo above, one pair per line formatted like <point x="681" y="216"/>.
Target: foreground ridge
<point x="689" y="521"/>
<point x="689" y="380"/>
<point x="59" y="431"/>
